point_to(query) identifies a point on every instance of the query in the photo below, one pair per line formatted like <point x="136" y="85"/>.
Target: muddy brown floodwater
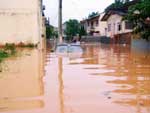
<point x="104" y="79"/>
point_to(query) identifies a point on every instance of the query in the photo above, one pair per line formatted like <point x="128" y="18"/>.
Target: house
<point x="94" y="26"/>
<point x="21" y="21"/>
<point x="118" y="29"/>
<point x="115" y="23"/>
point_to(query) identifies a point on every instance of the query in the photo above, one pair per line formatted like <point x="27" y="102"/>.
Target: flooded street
<point x="104" y="79"/>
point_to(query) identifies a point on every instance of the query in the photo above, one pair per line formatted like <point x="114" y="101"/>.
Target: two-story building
<point x="94" y="26"/>
<point x="116" y="24"/>
<point x="118" y="29"/>
<point x="21" y="21"/>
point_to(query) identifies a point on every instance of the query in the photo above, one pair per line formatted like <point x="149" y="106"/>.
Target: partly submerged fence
<point x="99" y="39"/>
<point x="124" y="38"/>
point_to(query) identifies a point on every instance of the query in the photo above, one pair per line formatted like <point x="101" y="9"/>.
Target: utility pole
<point x="60" y="21"/>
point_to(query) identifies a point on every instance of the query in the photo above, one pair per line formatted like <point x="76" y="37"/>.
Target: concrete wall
<point x="20" y="21"/>
<point x="18" y="4"/>
<point x="22" y="77"/>
<point x="140" y="45"/>
<point x="90" y="39"/>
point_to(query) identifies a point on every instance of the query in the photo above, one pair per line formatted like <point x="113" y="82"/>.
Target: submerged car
<point x="69" y="50"/>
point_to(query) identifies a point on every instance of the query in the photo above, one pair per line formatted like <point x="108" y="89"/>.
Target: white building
<point x="21" y="21"/>
<point x="94" y="26"/>
<point x="115" y="23"/>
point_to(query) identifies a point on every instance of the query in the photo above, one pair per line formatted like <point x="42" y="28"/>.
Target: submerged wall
<point x="21" y="81"/>
<point x="141" y="45"/>
<point x="20" y="21"/>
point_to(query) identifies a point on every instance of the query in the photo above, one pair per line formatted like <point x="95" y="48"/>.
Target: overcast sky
<point x="74" y="9"/>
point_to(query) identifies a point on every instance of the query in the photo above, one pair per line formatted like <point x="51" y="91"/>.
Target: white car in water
<point x="69" y="50"/>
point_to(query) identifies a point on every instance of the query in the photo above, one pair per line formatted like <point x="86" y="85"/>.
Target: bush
<point x="10" y="49"/>
<point x="3" y="55"/>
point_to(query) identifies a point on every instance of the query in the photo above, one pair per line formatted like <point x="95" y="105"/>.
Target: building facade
<point x="21" y="21"/>
<point x="94" y="26"/>
<point x="115" y="23"/>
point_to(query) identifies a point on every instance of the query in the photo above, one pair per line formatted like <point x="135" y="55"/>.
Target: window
<point x="92" y="24"/>
<point x="109" y="27"/>
<point x="88" y="24"/>
<point x="97" y="22"/>
<point x="128" y="25"/>
<point x="105" y="31"/>
<point x="119" y="27"/>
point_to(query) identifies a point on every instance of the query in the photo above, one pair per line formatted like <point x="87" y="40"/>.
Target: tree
<point x="123" y="1"/>
<point x="50" y="32"/>
<point x="72" y="28"/>
<point x="82" y="31"/>
<point x="126" y="1"/>
<point x="139" y="15"/>
<point x="116" y="5"/>
<point x="93" y="14"/>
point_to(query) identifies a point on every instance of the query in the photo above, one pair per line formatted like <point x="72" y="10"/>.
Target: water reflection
<point x="61" y="84"/>
<point x="132" y="75"/>
<point x="103" y="79"/>
<point x="21" y="83"/>
<point x="119" y="80"/>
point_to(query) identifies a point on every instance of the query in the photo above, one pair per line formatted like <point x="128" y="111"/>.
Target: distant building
<point x="94" y="26"/>
<point x="21" y="21"/>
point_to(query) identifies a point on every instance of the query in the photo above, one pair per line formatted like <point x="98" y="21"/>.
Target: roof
<point x="109" y="13"/>
<point x="90" y="19"/>
<point x="122" y="11"/>
<point x="93" y="17"/>
<point x="83" y="21"/>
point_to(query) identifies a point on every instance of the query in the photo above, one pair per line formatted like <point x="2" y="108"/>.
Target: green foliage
<point x="82" y="31"/>
<point x="116" y="5"/>
<point x="55" y="34"/>
<point x="127" y="1"/>
<point x="50" y="32"/>
<point x="3" y="55"/>
<point x="93" y="14"/>
<point x="10" y="49"/>
<point x="138" y="15"/>
<point x="72" y="28"/>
